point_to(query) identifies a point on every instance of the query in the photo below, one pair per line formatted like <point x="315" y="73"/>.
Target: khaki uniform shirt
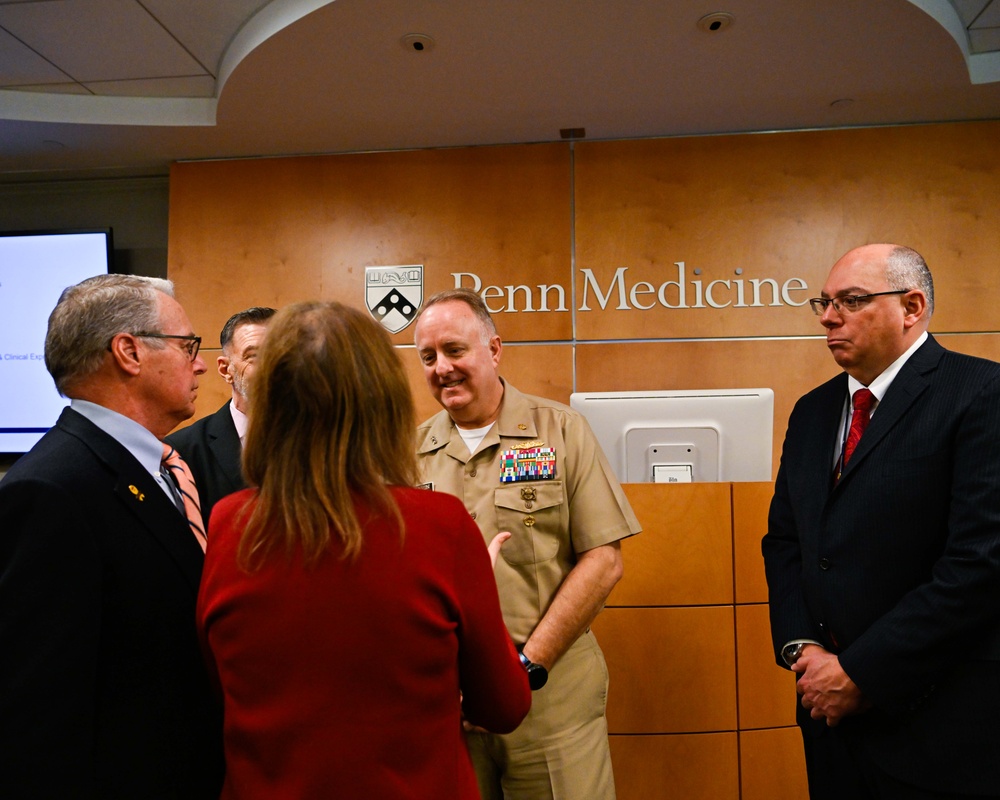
<point x="551" y="521"/>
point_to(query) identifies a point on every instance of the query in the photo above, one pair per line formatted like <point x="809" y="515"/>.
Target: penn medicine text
<point x="626" y="295"/>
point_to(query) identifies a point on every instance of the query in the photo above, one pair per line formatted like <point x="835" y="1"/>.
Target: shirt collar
<point x="240" y="420"/>
<point x="515" y="420"/>
<point x="880" y="385"/>
<point x="139" y="441"/>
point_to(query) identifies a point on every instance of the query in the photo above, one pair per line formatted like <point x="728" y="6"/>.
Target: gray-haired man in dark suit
<point x="104" y="691"/>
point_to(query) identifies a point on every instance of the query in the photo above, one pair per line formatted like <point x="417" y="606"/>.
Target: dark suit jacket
<point x="897" y="567"/>
<point x="103" y="690"/>
<point x="212" y="449"/>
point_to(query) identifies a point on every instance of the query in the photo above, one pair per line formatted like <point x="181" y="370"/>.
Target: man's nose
<point x="442" y="366"/>
<point x="830" y="317"/>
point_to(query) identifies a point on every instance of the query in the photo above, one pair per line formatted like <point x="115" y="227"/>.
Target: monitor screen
<point x="35" y="267"/>
<point x="683" y="436"/>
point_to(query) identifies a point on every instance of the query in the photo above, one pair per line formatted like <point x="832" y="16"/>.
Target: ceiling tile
<point x="985" y="41"/>
<point x="204" y="28"/>
<point x="968" y="10"/>
<point x="192" y="86"/>
<point x="127" y="42"/>
<point x="20" y="65"/>
<point x="990" y="18"/>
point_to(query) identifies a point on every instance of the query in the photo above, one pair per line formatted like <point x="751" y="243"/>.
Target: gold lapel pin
<point x="138" y="495"/>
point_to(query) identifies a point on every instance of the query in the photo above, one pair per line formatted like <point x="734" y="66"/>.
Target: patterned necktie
<point x="863" y="400"/>
<point x="180" y="474"/>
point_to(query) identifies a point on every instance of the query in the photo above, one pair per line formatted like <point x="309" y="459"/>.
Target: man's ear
<point x="124" y="349"/>
<point x="914" y="307"/>
<point x="223" y="366"/>
<point x="496" y="348"/>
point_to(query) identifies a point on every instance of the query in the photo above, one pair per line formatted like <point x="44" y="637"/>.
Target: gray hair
<point x="473" y="301"/>
<point x="906" y="269"/>
<point x="90" y="314"/>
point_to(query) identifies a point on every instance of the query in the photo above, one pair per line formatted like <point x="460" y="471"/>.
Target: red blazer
<point x="344" y="680"/>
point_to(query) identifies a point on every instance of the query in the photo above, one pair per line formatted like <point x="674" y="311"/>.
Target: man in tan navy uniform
<point x="532" y="467"/>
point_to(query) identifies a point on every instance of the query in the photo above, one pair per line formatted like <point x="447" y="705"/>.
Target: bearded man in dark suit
<point x="103" y="690"/>
<point x="883" y="553"/>
<point x="213" y="446"/>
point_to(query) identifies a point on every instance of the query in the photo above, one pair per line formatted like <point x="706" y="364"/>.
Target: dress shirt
<point x="139" y="441"/>
<point x="877" y="387"/>
<point x="241" y="421"/>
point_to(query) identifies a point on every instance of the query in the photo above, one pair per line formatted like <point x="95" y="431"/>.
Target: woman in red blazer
<point x="351" y="621"/>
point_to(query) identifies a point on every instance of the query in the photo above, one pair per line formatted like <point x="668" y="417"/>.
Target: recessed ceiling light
<point x="417" y="42"/>
<point x="716" y="22"/>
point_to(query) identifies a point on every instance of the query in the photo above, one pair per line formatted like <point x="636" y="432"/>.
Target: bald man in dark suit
<point x="883" y="557"/>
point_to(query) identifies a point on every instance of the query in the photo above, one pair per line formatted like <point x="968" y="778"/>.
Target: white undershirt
<point x="473" y="437"/>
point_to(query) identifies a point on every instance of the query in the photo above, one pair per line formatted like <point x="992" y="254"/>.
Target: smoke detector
<point x="417" y="42"/>
<point x="716" y="22"/>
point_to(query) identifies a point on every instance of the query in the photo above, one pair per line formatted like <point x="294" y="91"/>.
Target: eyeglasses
<point x="847" y="302"/>
<point x="193" y="342"/>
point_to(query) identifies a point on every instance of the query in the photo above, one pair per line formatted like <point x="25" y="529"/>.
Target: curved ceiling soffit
<point x="279" y="14"/>
<point x="983" y="67"/>
<point x="157" y="111"/>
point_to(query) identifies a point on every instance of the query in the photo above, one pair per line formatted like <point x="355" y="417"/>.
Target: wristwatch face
<point x="790" y="653"/>
<point x="537" y="676"/>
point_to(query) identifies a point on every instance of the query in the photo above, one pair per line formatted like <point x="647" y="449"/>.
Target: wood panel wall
<point x="697" y="707"/>
<point x="731" y="208"/>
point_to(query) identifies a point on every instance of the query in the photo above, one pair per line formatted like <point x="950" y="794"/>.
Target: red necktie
<point x="180" y="474"/>
<point x="863" y="400"/>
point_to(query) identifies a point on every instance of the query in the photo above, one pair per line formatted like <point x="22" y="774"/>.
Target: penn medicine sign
<point x="623" y="293"/>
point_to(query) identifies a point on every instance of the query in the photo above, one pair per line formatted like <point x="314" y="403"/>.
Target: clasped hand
<point x="824" y="688"/>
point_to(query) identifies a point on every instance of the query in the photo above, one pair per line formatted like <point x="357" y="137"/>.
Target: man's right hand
<point x="824" y="688"/>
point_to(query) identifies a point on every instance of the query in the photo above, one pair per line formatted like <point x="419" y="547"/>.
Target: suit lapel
<point x="824" y="433"/>
<point x="140" y="495"/>
<point x="225" y="446"/>
<point x="903" y="392"/>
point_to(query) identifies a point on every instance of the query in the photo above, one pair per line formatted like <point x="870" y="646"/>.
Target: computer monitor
<point x="683" y="436"/>
<point x="35" y="267"/>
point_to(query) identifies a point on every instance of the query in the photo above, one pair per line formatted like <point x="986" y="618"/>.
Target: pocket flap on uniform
<point x="532" y="496"/>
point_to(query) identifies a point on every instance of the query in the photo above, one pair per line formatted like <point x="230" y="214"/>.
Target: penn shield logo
<point x="394" y="294"/>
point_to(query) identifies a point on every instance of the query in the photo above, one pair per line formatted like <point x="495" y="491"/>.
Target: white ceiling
<point x="107" y="87"/>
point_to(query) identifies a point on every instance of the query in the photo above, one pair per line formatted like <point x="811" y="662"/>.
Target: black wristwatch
<point x="537" y="674"/>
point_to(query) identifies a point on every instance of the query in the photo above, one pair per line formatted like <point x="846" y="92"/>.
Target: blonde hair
<point x="332" y="423"/>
